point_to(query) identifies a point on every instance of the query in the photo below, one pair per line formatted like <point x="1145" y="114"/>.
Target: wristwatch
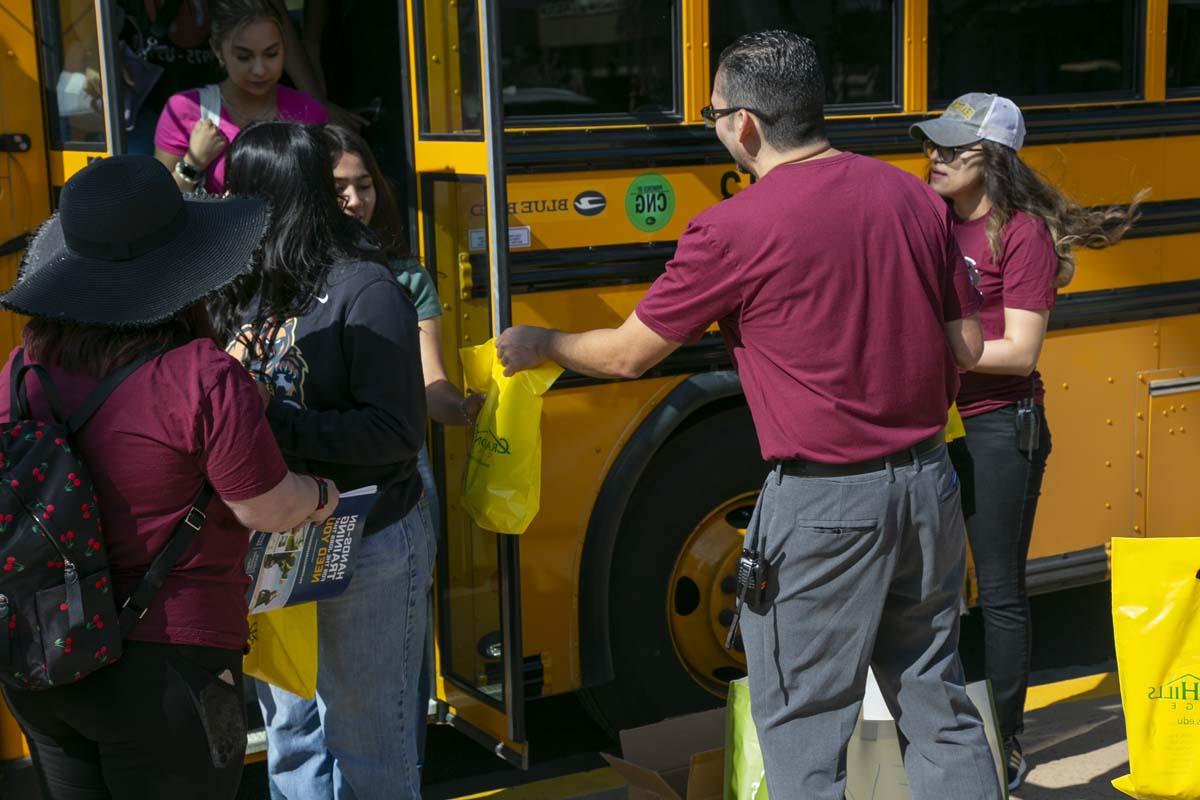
<point x="188" y="172"/>
<point x="323" y="493"/>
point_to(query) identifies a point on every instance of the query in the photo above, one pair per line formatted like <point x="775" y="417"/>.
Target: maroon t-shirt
<point x="191" y="414"/>
<point x="831" y="280"/>
<point x="1022" y="278"/>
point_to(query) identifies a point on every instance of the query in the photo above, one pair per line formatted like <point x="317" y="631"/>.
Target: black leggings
<point x="1001" y="485"/>
<point x="163" y="722"/>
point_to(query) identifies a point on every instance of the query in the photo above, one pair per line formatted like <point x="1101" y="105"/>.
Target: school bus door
<point x="53" y="108"/>
<point x="457" y="158"/>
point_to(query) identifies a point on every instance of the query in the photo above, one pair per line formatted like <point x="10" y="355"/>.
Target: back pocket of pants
<point x="219" y="708"/>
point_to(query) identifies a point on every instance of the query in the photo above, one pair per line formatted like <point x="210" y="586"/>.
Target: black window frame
<point x="675" y="114"/>
<point x="893" y="106"/>
<point x="1138" y="91"/>
<point x="1185" y="91"/>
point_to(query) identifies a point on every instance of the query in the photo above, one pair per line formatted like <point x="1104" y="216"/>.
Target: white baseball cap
<point x="973" y="117"/>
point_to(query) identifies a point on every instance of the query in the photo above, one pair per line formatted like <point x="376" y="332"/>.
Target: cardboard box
<point x="678" y="759"/>
<point x="683" y="758"/>
<point x="874" y="768"/>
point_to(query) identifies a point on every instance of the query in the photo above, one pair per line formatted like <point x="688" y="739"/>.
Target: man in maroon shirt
<point x="847" y="309"/>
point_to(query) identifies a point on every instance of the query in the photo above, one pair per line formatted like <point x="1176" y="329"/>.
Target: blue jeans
<point x="426" y="681"/>
<point x="356" y="739"/>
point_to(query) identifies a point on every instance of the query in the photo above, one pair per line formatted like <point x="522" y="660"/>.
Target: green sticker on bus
<point x="650" y="202"/>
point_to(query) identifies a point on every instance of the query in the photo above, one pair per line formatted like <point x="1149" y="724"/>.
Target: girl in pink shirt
<point x="196" y="126"/>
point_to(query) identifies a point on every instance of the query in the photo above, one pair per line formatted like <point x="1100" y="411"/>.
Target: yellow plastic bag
<point x="1156" y="619"/>
<point x="745" y="777"/>
<point x="502" y="485"/>
<point x="954" y="424"/>
<point x="283" y="649"/>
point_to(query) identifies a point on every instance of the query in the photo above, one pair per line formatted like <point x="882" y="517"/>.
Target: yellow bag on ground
<point x="745" y="778"/>
<point x="1156" y="620"/>
<point x="502" y="485"/>
<point x="283" y="649"/>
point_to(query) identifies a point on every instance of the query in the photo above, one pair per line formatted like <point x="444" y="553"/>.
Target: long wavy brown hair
<point x="1012" y="186"/>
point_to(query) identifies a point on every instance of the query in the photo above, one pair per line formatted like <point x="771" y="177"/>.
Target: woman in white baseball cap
<point x="1019" y="234"/>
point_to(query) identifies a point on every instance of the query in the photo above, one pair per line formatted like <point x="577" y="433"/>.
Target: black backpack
<point x="58" y="619"/>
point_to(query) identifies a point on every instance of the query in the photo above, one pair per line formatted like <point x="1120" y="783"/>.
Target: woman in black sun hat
<point x="121" y="273"/>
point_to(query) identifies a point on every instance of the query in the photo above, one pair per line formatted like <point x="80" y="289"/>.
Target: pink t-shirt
<point x="832" y="281"/>
<point x="182" y="112"/>
<point x="1022" y="278"/>
<point x="189" y="415"/>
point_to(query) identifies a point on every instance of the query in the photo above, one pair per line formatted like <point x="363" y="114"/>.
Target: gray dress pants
<point x="863" y="570"/>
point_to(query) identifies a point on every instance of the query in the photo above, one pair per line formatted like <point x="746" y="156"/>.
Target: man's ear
<point x="747" y="128"/>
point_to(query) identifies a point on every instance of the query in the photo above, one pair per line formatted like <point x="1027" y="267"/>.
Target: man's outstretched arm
<point x="624" y="352"/>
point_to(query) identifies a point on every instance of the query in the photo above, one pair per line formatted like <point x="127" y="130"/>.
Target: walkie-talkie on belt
<point x="751" y="586"/>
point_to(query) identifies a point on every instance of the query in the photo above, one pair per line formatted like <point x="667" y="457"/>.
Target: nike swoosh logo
<point x="323" y="299"/>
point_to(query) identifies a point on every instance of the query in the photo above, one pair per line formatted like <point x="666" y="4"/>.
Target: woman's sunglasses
<point x="947" y="154"/>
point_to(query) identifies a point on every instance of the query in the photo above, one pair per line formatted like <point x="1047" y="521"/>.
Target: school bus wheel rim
<point x="701" y="590"/>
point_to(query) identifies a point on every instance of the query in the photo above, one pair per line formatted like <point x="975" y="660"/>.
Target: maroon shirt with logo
<point x="1022" y="278"/>
<point x="831" y="280"/>
<point x="190" y="414"/>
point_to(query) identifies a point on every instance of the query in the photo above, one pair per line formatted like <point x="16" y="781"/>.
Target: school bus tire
<point x="705" y="470"/>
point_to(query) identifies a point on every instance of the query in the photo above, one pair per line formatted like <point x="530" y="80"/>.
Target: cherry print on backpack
<point x="62" y="619"/>
<point x="58" y="619"/>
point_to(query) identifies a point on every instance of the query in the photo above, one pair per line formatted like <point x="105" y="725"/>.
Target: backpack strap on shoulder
<point x="142" y="596"/>
<point x="97" y="396"/>
<point x="19" y="401"/>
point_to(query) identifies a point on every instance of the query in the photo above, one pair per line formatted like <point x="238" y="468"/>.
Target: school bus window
<point x="1041" y="49"/>
<point x="1183" y="47"/>
<point x="448" y="69"/>
<point x="588" y="57"/>
<point x="71" y="66"/>
<point x="856" y="41"/>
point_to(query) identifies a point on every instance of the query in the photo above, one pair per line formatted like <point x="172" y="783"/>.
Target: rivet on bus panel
<point x="1108" y="506"/>
<point x="1171" y="431"/>
<point x="1142" y="378"/>
<point x="1138" y="453"/>
<point x="1140" y="415"/>
<point x="1138" y="492"/>
<point x="1108" y="463"/>
<point x="1137" y="528"/>
<point x="1181" y="429"/>
<point x="1108" y="422"/>
<point x="1065" y="386"/>
<point x="1110" y="379"/>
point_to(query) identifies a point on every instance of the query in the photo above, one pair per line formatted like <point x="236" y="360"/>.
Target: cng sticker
<point x="650" y="202"/>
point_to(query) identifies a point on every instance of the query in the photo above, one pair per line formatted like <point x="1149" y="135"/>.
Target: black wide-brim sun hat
<point x="126" y="249"/>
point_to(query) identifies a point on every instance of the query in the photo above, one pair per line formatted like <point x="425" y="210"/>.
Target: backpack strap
<point x="185" y="533"/>
<point x="19" y="401"/>
<point x="98" y="395"/>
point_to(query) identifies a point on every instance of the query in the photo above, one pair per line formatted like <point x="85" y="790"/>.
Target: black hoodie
<point x="349" y="395"/>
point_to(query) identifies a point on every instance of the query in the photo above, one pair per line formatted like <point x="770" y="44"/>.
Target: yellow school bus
<point x="570" y="129"/>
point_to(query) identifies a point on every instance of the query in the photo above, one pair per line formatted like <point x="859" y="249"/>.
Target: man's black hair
<point x="776" y="74"/>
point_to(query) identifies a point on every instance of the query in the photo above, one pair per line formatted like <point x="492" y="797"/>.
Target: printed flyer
<point x="309" y="562"/>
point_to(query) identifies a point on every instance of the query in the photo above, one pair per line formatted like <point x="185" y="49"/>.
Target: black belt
<point x="816" y="469"/>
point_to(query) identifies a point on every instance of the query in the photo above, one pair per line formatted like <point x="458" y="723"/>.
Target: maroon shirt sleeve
<point x="1029" y="266"/>
<point x="238" y="453"/>
<point x="960" y="298"/>
<point x="699" y="288"/>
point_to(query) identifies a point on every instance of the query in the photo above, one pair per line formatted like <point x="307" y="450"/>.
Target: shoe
<point x="1014" y="762"/>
